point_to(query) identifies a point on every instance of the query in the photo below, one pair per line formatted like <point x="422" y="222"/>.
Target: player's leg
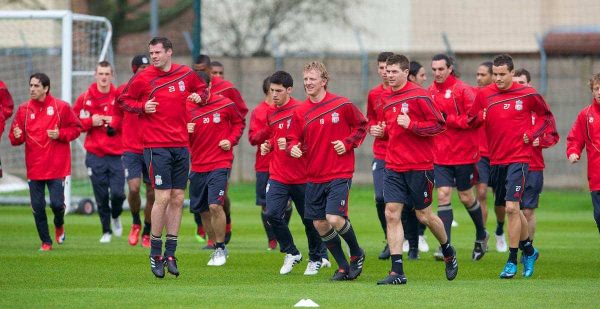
<point x="98" y="173"/>
<point x="37" y="194"/>
<point x="444" y="181"/>
<point x="133" y="175"/>
<point x="466" y="176"/>
<point x="262" y="179"/>
<point x="56" y="190"/>
<point x="116" y="182"/>
<point x="378" y="168"/>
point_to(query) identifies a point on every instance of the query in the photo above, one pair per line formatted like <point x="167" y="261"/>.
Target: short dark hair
<point x="504" y="59"/>
<point x="43" y="78"/>
<point x="488" y="65"/>
<point x="203" y="59"/>
<point x="449" y="62"/>
<point x="204" y="76"/>
<point x="166" y="43"/>
<point x="282" y="78"/>
<point x="266" y="84"/>
<point x="413" y="68"/>
<point x="523" y="72"/>
<point x="104" y="64"/>
<point x="216" y="64"/>
<point x="383" y="56"/>
<point x="400" y="60"/>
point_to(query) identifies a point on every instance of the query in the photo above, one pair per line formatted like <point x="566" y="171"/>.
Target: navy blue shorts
<point x="207" y="189"/>
<point x="278" y="196"/>
<point x="463" y="176"/>
<point x="168" y="168"/>
<point x="483" y="170"/>
<point x="508" y="182"/>
<point x="261" y="188"/>
<point x="378" y="168"/>
<point x="533" y="188"/>
<point x="135" y="167"/>
<point x="328" y="198"/>
<point x="409" y="188"/>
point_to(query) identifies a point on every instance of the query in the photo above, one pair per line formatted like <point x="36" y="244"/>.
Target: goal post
<point x="64" y="45"/>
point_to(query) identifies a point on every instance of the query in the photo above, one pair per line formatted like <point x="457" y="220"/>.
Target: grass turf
<point x="84" y="273"/>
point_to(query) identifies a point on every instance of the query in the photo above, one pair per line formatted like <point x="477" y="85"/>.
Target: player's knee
<point x="511" y="208"/>
<point x="392" y="214"/>
<point x="444" y="195"/>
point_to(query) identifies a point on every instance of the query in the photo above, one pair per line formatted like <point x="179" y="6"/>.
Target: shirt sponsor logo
<point x="158" y="180"/>
<point x="335" y="117"/>
<point x="50" y="111"/>
<point x="519" y="105"/>
<point x="216" y="118"/>
<point x="404" y="108"/>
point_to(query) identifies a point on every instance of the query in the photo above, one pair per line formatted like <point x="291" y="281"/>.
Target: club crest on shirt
<point x="448" y="94"/>
<point x="32" y="116"/>
<point x="519" y="105"/>
<point x="181" y="86"/>
<point x="404" y="108"/>
<point x="335" y="117"/>
<point x="591" y="120"/>
<point x="50" y="111"/>
<point x="216" y="118"/>
<point x="83" y="114"/>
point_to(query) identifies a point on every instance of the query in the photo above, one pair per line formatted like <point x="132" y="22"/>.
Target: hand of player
<point x="225" y="144"/>
<point x="265" y="148"/>
<point x="403" y="120"/>
<point x="190" y="127"/>
<point x="53" y="134"/>
<point x="150" y="106"/>
<point x="525" y="138"/>
<point x="97" y="120"/>
<point x="281" y="143"/>
<point x="536" y="142"/>
<point x="376" y="130"/>
<point x="17" y="132"/>
<point x="574" y="158"/>
<point x="295" y="151"/>
<point x="195" y="98"/>
<point x="339" y="147"/>
<point x="107" y="119"/>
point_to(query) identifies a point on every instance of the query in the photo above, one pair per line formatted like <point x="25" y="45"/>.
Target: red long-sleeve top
<point x="259" y="132"/>
<point x="411" y="149"/>
<point x="93" y="102"/>
<point x="316" y="125"/>
<point x="506" y="115"/>
<point x="225" y="88"/>
<point x="129" y="125"/>
<point x="586" y="133"/>
<point x="481" y="138"/>
<point x="7" y="106"/>
<point x="167" y="126"/>
<point x="46" y="158"/>
<point x="374" y="117"/>
<point x="215" y="121"/>
<point x="547" y="140"/>
<point x="453" y="98"/>
<point x="283" y="167"/>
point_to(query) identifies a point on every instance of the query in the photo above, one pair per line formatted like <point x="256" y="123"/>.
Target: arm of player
<point x="16" y="135"/>
<point x="432" y="123"/>
<point x="295" y="135"/>
<point x="131" y="100"/>
<point x="237" y="126"/>
<point x="476" y="114"/>
<point x="86" y="119"/>
<point x="545" y="120"/>
<point x="259" y="130"/>
<point x="234" y="95"/>
<point x="7" y="103"/>
<point x="70" y="126"/>
<point x="576" y="138"/>
<point x="358" y="125"/>
<point x="465" y="100"/>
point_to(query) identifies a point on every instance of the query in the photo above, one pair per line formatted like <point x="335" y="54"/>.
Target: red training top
<point x="259" y="132"/>
<point x="215" y="121"/>
<point x="374" y="117"/>
<point x="6" y="106"/>
<point x="453" y="98"/>
<point x="586" y="133"/>
<point x="225" y="88"/>
<point x="506" y="115"/>
<point x="167" y="127"/>
<point x="411" y="149"/>
<point x="316" y="125"/>
<point x="130" y="126"/>
<point x="46" y="158"/>
<point x="93" y="102"/>
<point x="284" y="168"/>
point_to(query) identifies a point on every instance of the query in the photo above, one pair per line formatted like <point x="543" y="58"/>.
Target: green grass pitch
<point x="84" y="273"/>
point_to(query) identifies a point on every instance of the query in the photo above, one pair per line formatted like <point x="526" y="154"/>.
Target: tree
<point x="129" y="16"/>
<point x="242" y="28"/>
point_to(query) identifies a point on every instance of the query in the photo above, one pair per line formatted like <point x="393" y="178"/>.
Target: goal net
<point x="65" y="46"/>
